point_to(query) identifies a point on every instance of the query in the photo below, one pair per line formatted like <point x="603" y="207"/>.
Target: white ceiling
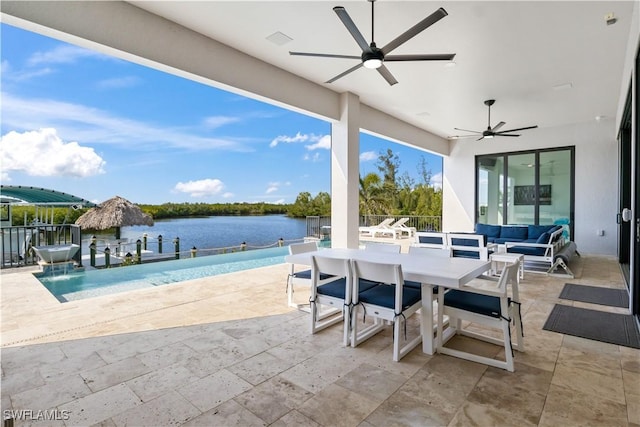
<point x="515" y="52"/>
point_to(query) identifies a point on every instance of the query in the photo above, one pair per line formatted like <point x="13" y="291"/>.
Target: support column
<point x="345" y="153"/>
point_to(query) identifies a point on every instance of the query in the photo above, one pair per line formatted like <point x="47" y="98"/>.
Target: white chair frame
<point x="509" y="312"/>
<point x="294" y="280"/>
<point x="391" y="275"/>
<point x="481" y="249"/>
<point x="337" y="309"/>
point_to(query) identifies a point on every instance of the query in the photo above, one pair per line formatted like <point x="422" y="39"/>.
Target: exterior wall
<point x="595" y="171"/>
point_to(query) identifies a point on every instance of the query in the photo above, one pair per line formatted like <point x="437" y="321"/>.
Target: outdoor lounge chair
<point x="372" y="230"/>
<point x="401" y="227"/>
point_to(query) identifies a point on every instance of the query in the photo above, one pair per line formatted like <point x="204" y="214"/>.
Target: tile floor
<point x="226" y="351"/>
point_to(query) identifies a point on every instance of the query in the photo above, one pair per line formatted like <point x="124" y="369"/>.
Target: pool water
<point x="88" y="284"/>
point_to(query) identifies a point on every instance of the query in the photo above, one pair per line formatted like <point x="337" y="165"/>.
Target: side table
<point x="507" y="258"/>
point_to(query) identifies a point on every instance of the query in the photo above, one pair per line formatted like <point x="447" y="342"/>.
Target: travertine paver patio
<point x="227" y="350"/>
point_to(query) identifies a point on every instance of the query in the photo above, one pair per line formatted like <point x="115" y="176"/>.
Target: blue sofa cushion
<point x="534" y="231"/>
<point x="527" y="250"/>
<point x="514" y="233"/>
<point x="490" y="231"/>
<point x="465" y="242"/>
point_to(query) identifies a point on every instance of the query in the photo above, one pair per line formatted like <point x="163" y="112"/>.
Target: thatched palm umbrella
<point x="114" y="213"/>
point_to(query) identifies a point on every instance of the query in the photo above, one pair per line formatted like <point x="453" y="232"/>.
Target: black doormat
<point x="595" y="295"/>
<point x="613" y="328"/>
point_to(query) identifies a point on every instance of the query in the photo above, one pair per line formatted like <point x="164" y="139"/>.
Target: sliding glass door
<point x="532" y="187"/>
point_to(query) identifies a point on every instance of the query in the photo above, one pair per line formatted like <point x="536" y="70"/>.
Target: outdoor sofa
<point x="540" y="244"/>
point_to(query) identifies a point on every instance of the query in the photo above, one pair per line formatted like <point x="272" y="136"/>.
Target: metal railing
<point x="320" y="226"/>
<point x="17" y="242"/>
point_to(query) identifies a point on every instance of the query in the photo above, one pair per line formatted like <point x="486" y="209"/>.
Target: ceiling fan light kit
<point x="373" y="57"/>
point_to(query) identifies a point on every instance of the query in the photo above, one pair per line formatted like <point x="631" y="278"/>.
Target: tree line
<point x="387" y="193"/>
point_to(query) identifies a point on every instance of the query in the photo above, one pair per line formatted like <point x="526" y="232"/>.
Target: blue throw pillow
<point x="544" y="238"/>
<point x="535" y="231"/>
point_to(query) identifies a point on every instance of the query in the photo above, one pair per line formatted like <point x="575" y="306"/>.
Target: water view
<point x="217" y="231"/>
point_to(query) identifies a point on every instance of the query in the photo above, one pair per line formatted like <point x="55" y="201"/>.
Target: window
<point x="530" y="187"/>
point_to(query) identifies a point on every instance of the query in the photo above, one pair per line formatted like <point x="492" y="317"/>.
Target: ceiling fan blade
<point x="481" y="138"/>
<point x="384" y="72"/>
<point x="350" y="70"/>
<point x="415" y="30"/>
<point x="324" y="55"/>
<point x="435" y="57"/>
<point x="351" y="27"/>
<point x="498" y="126"/>
<point x="514" y="130"/>
<point x="505" y="134"/>
<point x="467" y="130"/>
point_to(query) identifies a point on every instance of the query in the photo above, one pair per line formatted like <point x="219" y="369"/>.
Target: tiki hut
<point x="114" y="213"/>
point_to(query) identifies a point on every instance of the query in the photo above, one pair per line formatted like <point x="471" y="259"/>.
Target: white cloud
<point x="324" y="143"/>
<point x="63" y="54"/>
<point x="83" y="123"/>
<point x="201" y="188"/>
<point x="313" y="158"/>
<point x="228" y="195"/>
<point x="279" y="202"/>
<point x="436" y="180"/>
<point x="367" y="156"/>
<point x="272" y="189"/>
<point x="119" y="82"/>
<point x="218" y="121"/>
<point x="43" y="153"/>
<point x="319" y="141"/>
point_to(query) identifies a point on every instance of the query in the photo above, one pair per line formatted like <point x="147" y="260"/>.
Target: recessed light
<point x="599" y="118"/>
<point x="279" y="38"/>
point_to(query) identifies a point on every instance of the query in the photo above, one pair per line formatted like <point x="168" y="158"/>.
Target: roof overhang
<point x="19" y="195"/>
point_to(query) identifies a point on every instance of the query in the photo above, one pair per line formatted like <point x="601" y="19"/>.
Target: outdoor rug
<point x="613" y="328"/>
<point x="595" y="295"/>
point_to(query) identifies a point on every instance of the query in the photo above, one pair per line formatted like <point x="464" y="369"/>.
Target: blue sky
<point x="94" y="126"/>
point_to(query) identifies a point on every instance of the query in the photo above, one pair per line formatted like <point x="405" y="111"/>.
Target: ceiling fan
<point x="374" y="57"/>
<point x="491" y="131"/>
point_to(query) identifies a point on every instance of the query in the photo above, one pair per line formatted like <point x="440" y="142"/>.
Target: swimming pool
<point x="88" y="284"/>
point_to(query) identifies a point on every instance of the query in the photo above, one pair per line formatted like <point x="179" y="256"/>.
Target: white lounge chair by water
<point x="372" y="230"/>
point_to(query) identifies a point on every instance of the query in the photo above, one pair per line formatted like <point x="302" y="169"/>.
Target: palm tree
<point x="372" y="199"/>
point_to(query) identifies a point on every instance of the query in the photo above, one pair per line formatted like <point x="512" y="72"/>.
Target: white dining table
<point x="430" y="271"/>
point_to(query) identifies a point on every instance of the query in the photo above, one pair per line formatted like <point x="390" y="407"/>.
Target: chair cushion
<point x="491" y="231"/>
<point x="485" y="305"/>
<point x="517" y="233"/>
<point x="431" y="239"/>
<point x="306" y="274"/>
<point x="364" y="284"/>
<point x="417" y="285"/>
<point x="385" y="296"/>
<point x="465" y="242"/>
<point x="334" y="289"/>
<point x="466" y="254"/>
